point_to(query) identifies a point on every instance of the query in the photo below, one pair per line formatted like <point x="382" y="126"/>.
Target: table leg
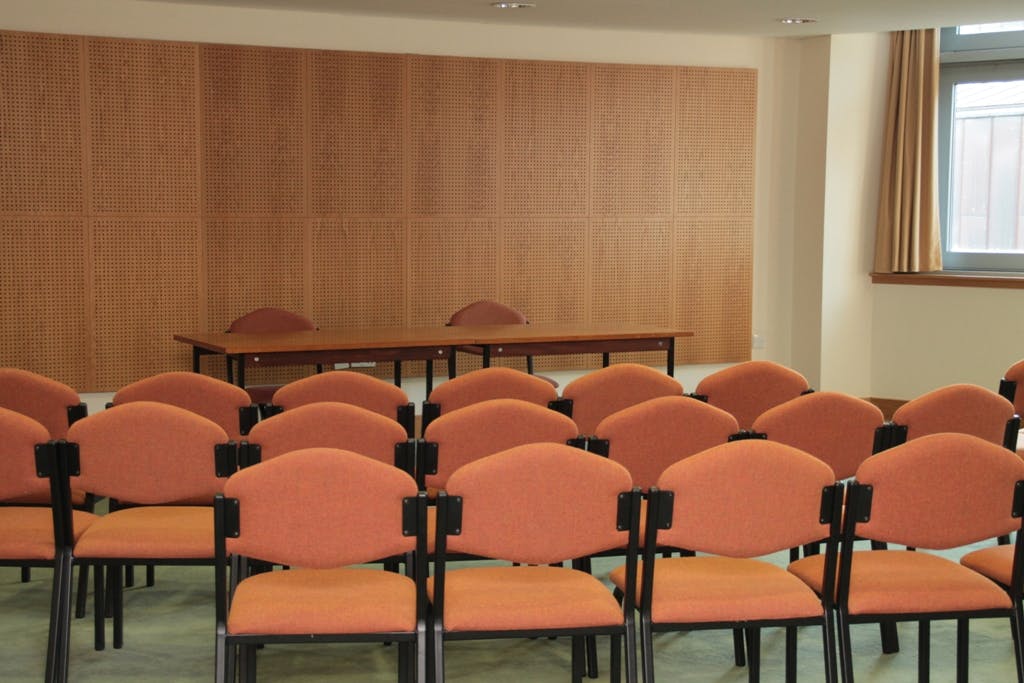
<point x="487" y="355"/>
<point x="195" y="359"/>
<point x="606" y="359"/>
<point x="430" y="376"/>
<point x="670" y="363"/>
<point x="240" y="359"/>
<point x="398" y="373"/>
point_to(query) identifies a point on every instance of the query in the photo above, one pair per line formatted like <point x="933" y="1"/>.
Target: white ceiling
<point x="739" y="17"/>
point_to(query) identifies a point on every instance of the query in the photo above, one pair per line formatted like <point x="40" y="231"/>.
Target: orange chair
<point x="600" y="393"/>
<point x="748" y="389"/>
<point x="936" y="492"/>
<point x="330" y="425"/>
<point x="263" y="320"/>
<point x="216" y="400"/>
<point x="485" y="384"/>
<point x="523" y="505"/>
<point x="348" y="387"/>
<point x="54" y="405"/>
<point x="481" y="429"/>
<point x="151" y="454"/>
<point x="961" y="408"/>
<point x="34" y="535"/>
<point x="319" y="510"/>
<point x="735" y="503"/>
<point x="648" y="437"/>
<point x="834" y="427"/>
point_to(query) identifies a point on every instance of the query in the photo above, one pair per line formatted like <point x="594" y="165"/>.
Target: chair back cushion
<point x="271" y="320"/>
<point x="487" y="383"/>
<point x="538" y="504"/>
<point x="356" y="388"/>
<point x="43" y="399"/>
<point x="600" y="393"/>
<point x="748" y="389"/>
<point x="19" y="435"/>
<point x="963" y="408"/>
<point x="320" y="508"/>
<point x="487" y="312"/>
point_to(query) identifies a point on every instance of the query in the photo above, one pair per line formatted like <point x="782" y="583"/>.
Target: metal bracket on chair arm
<point x="225" y="457"/>
<point x="1018" y="499"/>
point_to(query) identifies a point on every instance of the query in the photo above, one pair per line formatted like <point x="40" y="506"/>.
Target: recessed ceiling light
<point x="512" y="5"/>
<point x="798" y="20"/>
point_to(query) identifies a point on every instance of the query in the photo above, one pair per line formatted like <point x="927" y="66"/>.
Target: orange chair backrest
<point x="320" y="508"/>
<point x="941" y="491"/>
<point x="148" y="453"/>
<point x="484" y="428"/>
<point x="746" y="499"/>
<point x="748" y="389"/>
<point x="834" y="427"/>
<point x="214" y="399"/>
<point x="962" y="408"/>
<point x="487" y="383"/>
<point x="43" y="399"/>
<point x="328" y="425"/>
<point x="600" y="393"/>
<point x="538" y="504"/>
<point x="487" y="312"/>
<point x="271" y="319"/>
<point x="648" y="437"/>
<point x="19" y="435"/>
<point x="355" y="388"/>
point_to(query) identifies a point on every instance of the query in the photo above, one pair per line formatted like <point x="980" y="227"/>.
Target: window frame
<point x="974" y="58"/>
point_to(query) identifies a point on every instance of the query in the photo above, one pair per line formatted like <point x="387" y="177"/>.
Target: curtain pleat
<point x="907" y="238"/>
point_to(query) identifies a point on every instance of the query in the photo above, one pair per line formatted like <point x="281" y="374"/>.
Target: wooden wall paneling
<point x="143" y="126"/>
<point x="40" y="123"/>
<point x="44" y="305"/>
<point x="717" y="123"/>
<point x="252" y="263"/>
<point x="454" y="136"/>
<point x="358" y="114"/>
<point x="545" y="124"/>
<point x="632" y="133"/>
<point x="715" y="257"/>
<point x="253" y="130"/>
<point x="359" y="273"/>
<point x="147" y="288"/>
<point x="544" y="275"/>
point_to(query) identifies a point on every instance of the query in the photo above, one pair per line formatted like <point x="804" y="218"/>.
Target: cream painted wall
<point x="926" y="337"/>
<point x="809" y="212"/>
<point x="856" y="111"/>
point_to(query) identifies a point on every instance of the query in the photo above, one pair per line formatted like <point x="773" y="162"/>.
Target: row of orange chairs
<point x="664" y="406"/>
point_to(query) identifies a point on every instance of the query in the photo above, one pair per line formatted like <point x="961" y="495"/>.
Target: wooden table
<point x="429" y="344"/>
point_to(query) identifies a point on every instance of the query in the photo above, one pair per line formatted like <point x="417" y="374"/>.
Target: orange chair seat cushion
<point x="26" y="533"/>
<point x="908" y="582"/>
<point x="324" y="601"/>
<point x="995" y="562"/>
<point x="691" y="590"/>
<point x="158" y="532"/>
<point x="509" y="598"/>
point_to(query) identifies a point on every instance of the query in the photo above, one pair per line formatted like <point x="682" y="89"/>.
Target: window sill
<point x="952" y="279"/>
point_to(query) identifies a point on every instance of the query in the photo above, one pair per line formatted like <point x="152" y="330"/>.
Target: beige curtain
<point x="907" y="238"/>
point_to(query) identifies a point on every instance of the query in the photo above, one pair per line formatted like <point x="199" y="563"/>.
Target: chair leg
<point x="579" y="656"/>
<point x="247" y="663"/>
<point x="890" y="637"/>
<point x="591" y="651"/>
<point x="60" y="619"/>
<point x="963" y="649"/>
<point x="845" y="648"/>
<point x="737" y="647"/>
<point x="1016" y="629"/>
<point x="791" y="654"/>
<point x="83" y="591"/>
<point x="403" y="662"/>
<point x="150" y="576"/>
<point x="26" y="574"/>
<point x="646" y="648"/>
<point x="220" y="661"/>
<point x="924" y="650"/>
<point x="828" y="636"/>
<point x="99" y="607"/>
<point x="753" y="654"/>
<point x="118" y="596"/>
<point x="438" y="642"/>
<point x="615" y="660"/>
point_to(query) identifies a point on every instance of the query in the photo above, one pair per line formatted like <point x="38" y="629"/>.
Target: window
<point x="981" y="147"/>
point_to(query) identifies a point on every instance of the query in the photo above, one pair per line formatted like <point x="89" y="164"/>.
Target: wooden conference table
<point x="375" y="344"/>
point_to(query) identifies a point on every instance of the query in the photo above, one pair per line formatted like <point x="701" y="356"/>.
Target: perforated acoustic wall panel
<point x="44" y="306"/>
<point x="254" y="122"/>
<point x="143" y="126"/>
<point x="148" y="188"/>
<point x="40" y="124"/>
<point x="148" y="289"/>
<point x="358" y="152"/>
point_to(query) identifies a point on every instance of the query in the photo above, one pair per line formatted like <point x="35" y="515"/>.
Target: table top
<point x="410" y="337"/>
